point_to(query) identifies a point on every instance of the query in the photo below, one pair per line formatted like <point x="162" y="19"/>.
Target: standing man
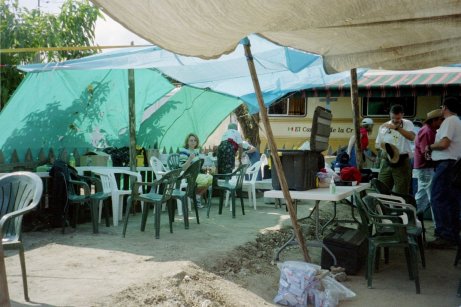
<point x="398" y="132"/>
<point x="423" y="168"/>
<point x="446" y="199"/>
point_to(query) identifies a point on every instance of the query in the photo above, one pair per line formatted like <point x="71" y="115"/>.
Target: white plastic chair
<point x="109" y="185"/>
<point x="158" y="167"/>
<point x="264" y="162"/>
<point x="20" y="193"/>
<point x="250" y="185"/>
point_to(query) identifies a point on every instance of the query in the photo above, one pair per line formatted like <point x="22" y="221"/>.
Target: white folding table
<point x="317" y="195"/>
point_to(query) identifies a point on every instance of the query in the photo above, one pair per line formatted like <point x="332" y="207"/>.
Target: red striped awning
<point x="410" y="79"/>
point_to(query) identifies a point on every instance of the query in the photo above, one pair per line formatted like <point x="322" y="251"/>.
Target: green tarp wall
<point x="82" y="110"/>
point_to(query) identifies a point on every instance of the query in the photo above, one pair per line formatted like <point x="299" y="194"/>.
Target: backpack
<point x="342" y="159"/>
<point x="60" y="173"/>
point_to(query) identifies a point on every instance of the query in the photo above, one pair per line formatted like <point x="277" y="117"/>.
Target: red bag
<point x="350" y="174"/>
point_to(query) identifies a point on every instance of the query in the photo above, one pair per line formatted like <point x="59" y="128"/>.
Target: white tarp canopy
<point x="406" y="34"/>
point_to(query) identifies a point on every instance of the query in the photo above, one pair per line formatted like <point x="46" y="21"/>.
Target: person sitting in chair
<point x="189" y="154"/>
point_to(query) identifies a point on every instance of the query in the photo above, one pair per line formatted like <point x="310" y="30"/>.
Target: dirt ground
<point x="221" y="262"/>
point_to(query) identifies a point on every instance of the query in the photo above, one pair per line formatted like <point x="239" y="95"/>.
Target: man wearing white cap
<point x="398" y="132"/>
<point x="424" y="168"/>
<point x="446" y="198"/>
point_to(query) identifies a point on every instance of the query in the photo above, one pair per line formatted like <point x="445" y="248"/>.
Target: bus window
<point x="293" y="105"/>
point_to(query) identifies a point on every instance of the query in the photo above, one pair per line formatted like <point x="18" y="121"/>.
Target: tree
<point x="249" y="124"/>
<point x="22" y="28"/>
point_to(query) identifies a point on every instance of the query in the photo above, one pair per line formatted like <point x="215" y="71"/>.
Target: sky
<point x="108" y="31"/>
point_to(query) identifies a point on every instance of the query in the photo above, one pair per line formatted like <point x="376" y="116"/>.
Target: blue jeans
<point x="445" y="201"/>
<point x="423" y="195"/>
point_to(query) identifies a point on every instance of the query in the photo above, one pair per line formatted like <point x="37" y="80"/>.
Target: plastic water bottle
<point x="332" y="186"/>
<point x="337" y="168"/>
<point x="109" y="162"/>
<point x="72" y="160"/>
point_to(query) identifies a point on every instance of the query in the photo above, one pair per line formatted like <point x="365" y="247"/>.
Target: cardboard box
<point x="94" y="158"/>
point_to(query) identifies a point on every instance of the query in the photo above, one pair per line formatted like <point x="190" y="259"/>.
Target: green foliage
<point x="23" y="28"/>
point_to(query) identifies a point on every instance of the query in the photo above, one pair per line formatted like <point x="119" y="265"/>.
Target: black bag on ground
<point x="349" y="246"/>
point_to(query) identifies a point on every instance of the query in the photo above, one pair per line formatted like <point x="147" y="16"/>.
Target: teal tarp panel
<point x="190" y="110"/>
<point x="75" y="109"/>
<point x="280" y="69"/>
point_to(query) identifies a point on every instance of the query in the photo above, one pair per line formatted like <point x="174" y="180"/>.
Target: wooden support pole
<point x="4" y="295"/>
<point x="355" y="117"/>
<point x="273" y="148"/>
<point x="132" y="119"/>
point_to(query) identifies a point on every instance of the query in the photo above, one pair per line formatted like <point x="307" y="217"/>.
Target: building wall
<point x="291" y="131"/>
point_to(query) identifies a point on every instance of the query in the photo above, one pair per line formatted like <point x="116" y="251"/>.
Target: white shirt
<point x="451" y="129"/>
<point x="232" y="134"/>
<point x="386" y="135"/>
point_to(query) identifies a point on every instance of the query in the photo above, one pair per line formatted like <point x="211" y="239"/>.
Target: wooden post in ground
<point x="132" y="119"/>
<point x="273" y="148"/>
<point x="4" y="295"/>
<point x="355" y="117"/>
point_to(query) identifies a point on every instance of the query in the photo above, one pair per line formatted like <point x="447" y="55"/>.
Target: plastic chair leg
<point x="414" y="256"/>
<point x="120" y="207"/>
<point x="221" y="202"/>
<point x="226" y="204"/>
<point x="233" y="204"/>
<point x="94" y="204"/>
<point x="185" y="211"/>
<point x="22" y="259"/>
<point x="101" y="205"/>
<point x="458" y="255"/>
<point x="241" y="202"/>
<point x="253" y="194"/>
<point x="370" y="264"/>
<point x="421" y="250"/>
<point x="409" y="264"/>
<point x="194" y="201"/>
<point x="106" y="213"/>
<point x="208" y="205"/>
<point x="128" y="206"/>
<point x="144" y="217"/>
<point x="158" y="212"/>
<point x="115" y="209"/>
<point x="170" y="206"/>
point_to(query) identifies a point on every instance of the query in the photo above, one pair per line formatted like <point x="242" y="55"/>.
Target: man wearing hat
<point x="394" y="138"/>
<point x="424" y="168"/>
<point x="445" y="198"/>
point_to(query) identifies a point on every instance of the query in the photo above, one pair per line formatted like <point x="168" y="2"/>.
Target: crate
<point x="94" y="158"/>
<point x="350" y="247"/>
<point x="300" y="167"/>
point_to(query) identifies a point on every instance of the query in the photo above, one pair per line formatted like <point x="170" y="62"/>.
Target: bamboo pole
<point x="132" y="119"/>
<point x="273" y="148"/>
<point x="355" y="117"/>
<point x="4" y="295"/>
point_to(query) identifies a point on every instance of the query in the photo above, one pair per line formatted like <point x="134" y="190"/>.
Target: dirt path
<point x="221" y="262"/>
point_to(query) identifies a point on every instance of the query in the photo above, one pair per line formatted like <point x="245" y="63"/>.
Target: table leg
<point x="331" y="220"/>
<point x="291" y="241"/>
<point x="317" y="243"/>
<point x="4" y="295"/>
